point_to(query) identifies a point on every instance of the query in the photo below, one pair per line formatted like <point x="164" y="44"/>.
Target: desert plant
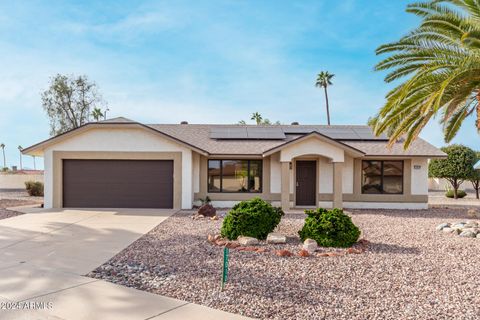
<point x="460" y="194"/>
<point x="206" y="200"/>
<point x="456" y="168"/>
<point x="330" y="228"/>
<point x="34" y="188"/>
<point x="254" y="218"/>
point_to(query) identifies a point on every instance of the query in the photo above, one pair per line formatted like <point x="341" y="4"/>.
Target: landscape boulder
<point x="467" y="234"/>
<point x="310" y="245"/>
<point x="247" y="241"/>
<point x="441" y="226"/>
<point x="207" y="210"/>
<point x="276" y="238"/>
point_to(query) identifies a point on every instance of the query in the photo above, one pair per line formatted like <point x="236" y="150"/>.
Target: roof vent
<point x="184" y="122"/>
<point x="295" y="123"/>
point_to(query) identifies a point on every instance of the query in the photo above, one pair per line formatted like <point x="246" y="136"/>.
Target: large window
<point x="234" y="175"/>
<point x="382" y="177"/>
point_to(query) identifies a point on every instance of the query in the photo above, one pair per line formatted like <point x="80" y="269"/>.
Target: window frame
<point x="248" y="176"/>
<point x="382" y="176"/>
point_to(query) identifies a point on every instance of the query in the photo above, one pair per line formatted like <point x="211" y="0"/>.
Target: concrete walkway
<point x="45" y="254"/>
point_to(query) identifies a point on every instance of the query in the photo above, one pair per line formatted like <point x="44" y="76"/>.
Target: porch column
<point x="285" y="186"/>
<point x="337" y="185"/>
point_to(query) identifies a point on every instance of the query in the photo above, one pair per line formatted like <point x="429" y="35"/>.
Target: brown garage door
<point x="118" y="183"/>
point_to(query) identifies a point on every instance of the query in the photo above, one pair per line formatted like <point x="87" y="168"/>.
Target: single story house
<point x="119" y="163"/>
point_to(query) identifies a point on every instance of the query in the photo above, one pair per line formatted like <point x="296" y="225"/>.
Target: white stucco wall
<point x="275" y="173"/>
<point x="196" y="171"/>
<point x="419" y="176"/>
<point x="325" y="175"/>
<point x="347" y="181"/>
<point x="121" y="140"/>
<point x="17" y="180"/>
<point x="312" y="146"/>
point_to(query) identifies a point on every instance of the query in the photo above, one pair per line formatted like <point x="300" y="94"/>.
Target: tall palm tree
<point x="257" y="117"/>
<point x="97" y="114"/>
<point x="324" y="79"/>
<point x="20" y="152"/>
<point x="440" y="60"/>
<point x="2" y="145"/>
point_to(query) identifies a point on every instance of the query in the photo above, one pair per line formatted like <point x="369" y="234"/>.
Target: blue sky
<point x="200" y="61"/>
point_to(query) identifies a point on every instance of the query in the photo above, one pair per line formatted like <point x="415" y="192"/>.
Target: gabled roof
<point x="355" y="152"/>
<point x="356" y="139"/>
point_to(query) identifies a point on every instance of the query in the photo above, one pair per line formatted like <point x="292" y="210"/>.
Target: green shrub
<point x="330" y="228"/>
<point x="34" y="188"/>
<point x="460" y="193"/>
<point x="254" y="218"/>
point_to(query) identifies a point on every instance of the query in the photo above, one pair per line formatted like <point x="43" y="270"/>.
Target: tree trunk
<point x="477" y="122"/>
<point x="328" y="110"/>
<point x="476" y="191"/>
<point x="455" y="189"/>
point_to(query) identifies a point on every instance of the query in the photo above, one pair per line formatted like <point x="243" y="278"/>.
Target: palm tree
<point x="257" y="117"/>
<point x="324" y="79"/>
<point x="441" y="62"/>
<point x="20" y="151"/>
<point x="97" y="114"/>
<point x="2" y="145"/>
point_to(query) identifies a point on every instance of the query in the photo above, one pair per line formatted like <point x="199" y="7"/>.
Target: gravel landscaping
<point x="409" y="270"/>
<point x="14" y="198"/>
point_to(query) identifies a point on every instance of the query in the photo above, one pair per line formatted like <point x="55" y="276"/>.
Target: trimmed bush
<point x="330" y="228"/>
<point x="34" y="188"/>
<point x="460" y="193"/>
<point x="254" y="218"/>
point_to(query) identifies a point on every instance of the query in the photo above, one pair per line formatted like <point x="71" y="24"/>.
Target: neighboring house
<point x="121" y="163"/>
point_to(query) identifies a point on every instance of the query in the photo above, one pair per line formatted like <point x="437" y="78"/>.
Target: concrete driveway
<point x="45" y="254"/>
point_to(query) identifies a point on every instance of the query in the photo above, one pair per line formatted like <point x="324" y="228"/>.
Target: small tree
<point x="68" y="102"/>
<point x="456" y="168"/>
<point x="475" y="180"/>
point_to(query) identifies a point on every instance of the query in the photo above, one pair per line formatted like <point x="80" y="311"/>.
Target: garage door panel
<point x="118" y="183"/>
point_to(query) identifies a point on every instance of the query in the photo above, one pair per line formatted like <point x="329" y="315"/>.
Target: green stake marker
<point x="226" y="251"/>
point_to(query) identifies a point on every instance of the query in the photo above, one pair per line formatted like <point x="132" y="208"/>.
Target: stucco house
<point x="119" y="163"/>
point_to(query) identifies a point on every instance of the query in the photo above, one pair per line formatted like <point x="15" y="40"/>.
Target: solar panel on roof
<point x="228" y="133"/>
<point x="265" y="133"/>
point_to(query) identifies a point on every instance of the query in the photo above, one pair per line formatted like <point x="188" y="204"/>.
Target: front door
<point x="306" y="183"/>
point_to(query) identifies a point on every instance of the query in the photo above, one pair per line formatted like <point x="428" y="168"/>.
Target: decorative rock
<point x="478" y="236"/>
<point x="214" y="218"/>
<point x="467" y="234"/>
<point x="442" y="225"/>
<point x="472" y="213"/>
<point x="448" y="230"/>
<point x="207" y="210"/>
<point x="247" y="241"/>
<point x="323" y="254"/>
<point x="276" y="238"/>
<point x="303" y="253"/>
<point x="283" y="253"/>
<point x="262" y="250"/>
<point x="232" y="245"/>
<point x="310" y="245"/>
<point x="471" y="224"/>
<point x="217" y="237"/>
<point x="353" y="251"/>
<point x="220" y="242"/>
<point x="210" y="238"/>
<point x="459" y="225"/>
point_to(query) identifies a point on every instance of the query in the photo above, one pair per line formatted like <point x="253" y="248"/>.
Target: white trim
<point x="386" y="205"/>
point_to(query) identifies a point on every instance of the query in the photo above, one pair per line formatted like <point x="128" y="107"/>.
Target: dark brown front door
<point x="306" y="183"/>
<point x="118" y="183"/>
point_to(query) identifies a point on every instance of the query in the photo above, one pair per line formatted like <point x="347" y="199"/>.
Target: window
<point x="234" y="175"/>
<point x="382" y="177"/>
